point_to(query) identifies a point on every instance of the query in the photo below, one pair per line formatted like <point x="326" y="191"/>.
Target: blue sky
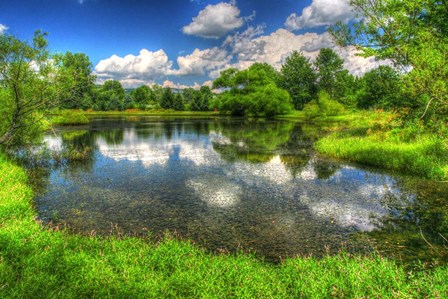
<point x="179" y="42"/>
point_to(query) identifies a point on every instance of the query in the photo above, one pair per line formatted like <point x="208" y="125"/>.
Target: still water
<point x="230" y="185"/>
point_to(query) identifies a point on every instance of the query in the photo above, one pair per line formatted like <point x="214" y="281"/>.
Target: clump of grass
<point x="404" y="150"/>
<point x="44" y="263"/>
<point x="70" y="118"/>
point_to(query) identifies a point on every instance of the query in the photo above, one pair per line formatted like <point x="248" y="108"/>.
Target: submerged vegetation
<point x="38" y="261"/>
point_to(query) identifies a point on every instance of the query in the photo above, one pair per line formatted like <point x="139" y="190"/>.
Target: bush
<point x="264" y="101"/>
<point x="324" y="106"/>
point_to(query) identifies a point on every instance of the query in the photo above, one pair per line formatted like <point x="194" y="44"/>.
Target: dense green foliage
<point x="111" y="96"/>
<point x="299" y="79"/>
<point x="323" y="106"/>
<point x="413" y="35"/>
<point x="76" y="80"/>
<point x="382" y="89"/>
<point x="26" y="88"/>
<point x="329" y="68"/>
<point x="38" y="262"/>
<point x="141" y="98"/>
<point x="252" y="92"/>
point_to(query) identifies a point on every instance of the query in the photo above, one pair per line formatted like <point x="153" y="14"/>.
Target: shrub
<point x="324" y="106"/>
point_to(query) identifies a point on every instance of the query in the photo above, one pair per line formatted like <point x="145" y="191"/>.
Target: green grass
<point x="69" y="118"/>
<point x="37" y="262"/>
<point x="403" y="150"/>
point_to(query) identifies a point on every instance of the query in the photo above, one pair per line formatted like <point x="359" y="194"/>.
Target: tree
<point x="27" y="86"/>
<point x="411" y="34"/>
<point x="206" y="96"/>
<point x="382" y="89"/>
<point x="111" y="96"/>
<point x="166" y="102"/>
<point x="178" y="102"/>
<point x="299" y="79"/>
<point x="77" y="79"/>
<point x="141" y="96"/>
<point x="329" y="66"/>
<point x="226" y="79"/>
<point x="252" y="92"/>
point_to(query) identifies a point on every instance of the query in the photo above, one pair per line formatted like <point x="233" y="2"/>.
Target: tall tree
<point x="141" y="96"/>
<point x="299" y="79"/>
<point x="77" y="80"/>
<point x="253" y="91"/>
<point x="178" y="102"/>
<point x="166" y="102"/>
<point x="382" y="89"/>
<point x="27" y="86"/>
<point x="413" y="35"/>
<point x="329" y="66"/>
<point x="111" y="96"/>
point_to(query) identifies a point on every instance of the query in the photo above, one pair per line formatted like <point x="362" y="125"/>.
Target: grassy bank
<point x="38" y="262"/>
<point x="373" y="140"/>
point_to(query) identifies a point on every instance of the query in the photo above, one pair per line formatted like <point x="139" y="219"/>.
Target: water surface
<point x="230" y="184"/>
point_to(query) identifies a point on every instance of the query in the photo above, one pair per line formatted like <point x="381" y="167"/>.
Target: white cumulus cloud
<point x="214" y="21"/>
<point x="201" y="61"/>
<point x="3" y="29"/>
<point x="131" y="70"/>
<point x="321" y="13"/>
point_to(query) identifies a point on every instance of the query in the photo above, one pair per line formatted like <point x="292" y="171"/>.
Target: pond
<point x="236" y="185"/>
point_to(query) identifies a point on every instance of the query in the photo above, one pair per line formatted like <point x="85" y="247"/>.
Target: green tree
<point x="299" y="79"/>
<point x="413" y="35"/>
<point x="382" y="89"/>
<point x="110" y="96"/>
<point x="77" y="80"/>
<point x="252" y="92"/>
<point x="206" y="95"/>
<point x="141" y="96"/>
<point x="226" y="79"/>
<point x="328" y="65"/>
<point x="166" y="102"/>
<point x="178" y="102"/>
<point x="196" y="101"/>
<point x="27" y="87"/>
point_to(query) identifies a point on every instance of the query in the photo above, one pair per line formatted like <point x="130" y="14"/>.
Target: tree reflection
<point x="252" y="141"/>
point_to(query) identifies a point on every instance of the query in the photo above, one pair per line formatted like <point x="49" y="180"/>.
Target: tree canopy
<point x="26" y="87"/>
<point x="253" y="91"/>
<point x="411" y="34"/>
<point x="299" y="79"/>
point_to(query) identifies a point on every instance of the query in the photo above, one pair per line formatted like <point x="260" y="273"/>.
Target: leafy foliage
<point x="383" y="89"/>
<point x="323" y="106"/>
<point x="26" y="88"/>
<point x="299" y="79"/>
<point x="413" y="35"/>
<point x="141" y="97"/>
<point x="110" y="96"/>
<point x="252" y="92"/>
<point x="76" y="80"/>
<point x="329" y="67"/>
